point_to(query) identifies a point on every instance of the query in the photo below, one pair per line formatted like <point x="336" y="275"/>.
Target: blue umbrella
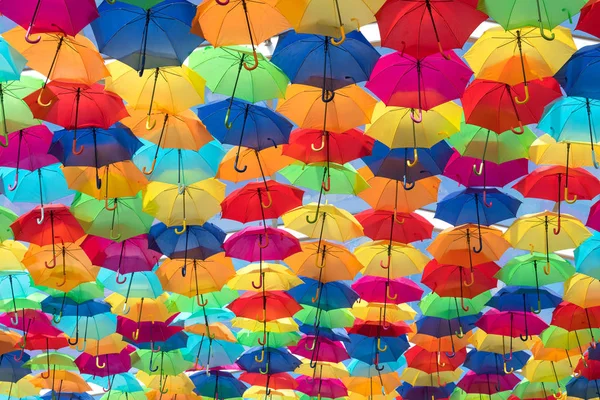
<point x="335" y="334"/>
<point x="250" y="125"/>
<point x="587" y="256"/>
<point x="365" y="348"/>
<point x="268" y="360"/>
<point x="67" y="396"/>
<point x="312" y="60"/>
<point x="440" y="327"/>
<point x="157" y="37"/>
<point x="524" y="298"/>
<point x="578" y="76"/>
<point x="409" y="392"/>
<point x="45" y="185"/>
<point x="15" y="286"/>
<point x="11" y="62"/>
<point x="198" y="242"/>
<point x="11" y="366"/>
<point x="64" y="306"/>
<point x="575" y="119"/>
<point x="332" y="295"/>
<point x="178" y="166"/>
<point x="393" y="163"/>
<point x="212" y="353"/>
<point x="483" y="362"/>
<point x="469" y="206"/>
<point x="176" y="342"/>
<point x="217" y="384"/>
<point x="582" y="388"/>
<point x="367" y="370"/>
<point x="137" y="284"/>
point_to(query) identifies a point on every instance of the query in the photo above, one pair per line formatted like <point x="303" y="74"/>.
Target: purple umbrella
<point x="321" y="387"/>
<point x="258" y="243"/>
<point x="487" y="383"/>
<point x="460" y="169"/>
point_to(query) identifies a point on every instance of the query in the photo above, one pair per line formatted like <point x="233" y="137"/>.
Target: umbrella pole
<point x="15" y="319"/>
<point x="74" y="146"/>
<point x="415" y="152"/>
<point x="98" y="180"/>
<point x="60" y="313"/>
<point x="525" y="87"/>
<point x="183" y="222"/>
<point x="41" y="218"/>
<point x="485" y="203"/>
<point x="316" y="218"/>
<point x="537" y="290"/>
<point x="435" y="31"/>
<point x="5" y="128"/>
<point x="53" y="264"/>
<point x="144" y="44"/>
<point x="185" y="254"/>
<point x="16" y="182"/>
<point x="478" y="226"/>
<point x="126" y="308"/>
<point x="76" y="327"/>
<point x="237" y="155"/>
<point x="326" y="95"/>
<point x="520" y="130"/>
<point x="452" y="354"/>
<point x="580" y="351"/>
<point x="558" y="201"/>
<point x="460" y="334"/>
<point x="547" y="266"/>
<point x="412" y="112"/>
<point x="231" y="98"/>
<point x="589" y="115"/>
<point x="246" y="66"/>
<point x="410" y="186"/>
<point x="587" y="316"/>
<point x="479" y="170"/>
<point x="160" y="138"/>
<point x="149" y="122"/>
<point x="120" y="282"/>
<point x="539" y="11"/>
<point x="52" y="65"/>
<point x="524" y="339"/>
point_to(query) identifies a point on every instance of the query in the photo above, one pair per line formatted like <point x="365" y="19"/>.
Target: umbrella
<point x="146" y="38"/>
<point x="330" y="295"/>
<point x="439" y="24"/>
<point x="275" y="277"/>
<point x="454" y="281"/>
<point x="337" y="261"/>
<point x="12" y="62"/>
<point x="104" y="364"/>
<point x="463" y="170"/>
<point x="572" y="317"/>
<point x="485" y="362"/>
<point x="317" y="387"/>
<point x="257" y="163"/>
<point x="33" y="227"/>
<point x="374" y="289"/>
<point x="15" y="115"/>
<point x="431" y="362"/>
<point x="487" y="383"/>
<point x="523" y="324"/>
<point x="574" y="73"/>
<point x="586" y="18"/>
<point x="397" y="227"/>
<point x="257" y="243"/>
<point x="409" y="392"/>
<point x="330" y="177"/>
<point x="546" y="150"/>
<point x="366" y="348"/>
<point x="267" y="360"/>
<point x="586" y="256"/>
<point x="217" y="384"/>
<point x="339" y="148"/>
<point x="401" y="259"/>
<point x="198" y="242"/>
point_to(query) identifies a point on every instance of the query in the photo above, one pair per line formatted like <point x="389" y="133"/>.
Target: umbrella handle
<point x="98" y="182"/>
<point x="15" y="183"/>
<point x="342" y="39"/>
<point x="264" y="339"/>
<point x="28" y="37"/>
<point x="235" y="165"/>
<point x="414" y="118"/>
<point x="45" y="375"/>
<point x="126" y="309"/>
<point x="379" y="367"/>
<point x="468" y="284"/>
<point x="398" y="221"/>
<point x="558" y="394"/>
<point x="111" y="1"/>
<point x="441" y="50"/>
<point x="322" y="146"/>
<point x="389" y="261"/>
<point x="526" y="99"/>
<point x="407" y="187"/>
<point x="15" y="319"/>
<point x="20" y="357"/>
<point x="508" y="371"/>
<point x="379" y="347"/>
<point x="4" y="144"/>
<point x="264" y="316"/>
<point x="40" y="220"/>
<point x="113" y="237"/>
<point x="56" y="318"/>
<point x="318" y="292"/>
<point x="74" y="148"/>
<point x="266" y="371"/>
<point x="310" y="348"/>
<point x="266" y="244"/>
<point x="519" y="130"/>
<point x="98" y="365"/>
<point x="439" y="360"/>
<point x="51" y="265"/>
<point x="136" y="334"/>
<point x="201" y="303"/>
<point x="415" y="159"/>
<point x="322" y="264"/>
<point x="107" y="207"/>
<point x="485" y="203"/>
<point x="593" y="344"/>
<point x="510" y="355"/>
<point x="260" y="282"/>
<point x="253" y="67"/>
<point x="64" y="280"/>
<point x="261" y="358"/>
<point x="596" y="165"/>
<point x="451" y="354"/>
<point x="389" y="295"/>
<point x="460" y="333"/>
<point x="547" y="37"/>
<point x="183" y="228"/>
<point x="463" y="306"/>
<point x="547" y="268"/>
<point x="270" y="203"/>
<point x="569" y="201"/>
<point x="539" y="307"/>
<point x="150" y="366"/>
<point x="119" y="281"/>
<point x="151" y="170"/>
<point x="478" y="170"/>
<point x="477" y="251"/>
<point x="150" y="123"/>
<point x="40" y="101"/>
<point x="357" y="23"/>
<point x="386" y="325"/>
<point x="222" y="2"/>
<point x="327" y="96"/>
<point x="326" y="187"/>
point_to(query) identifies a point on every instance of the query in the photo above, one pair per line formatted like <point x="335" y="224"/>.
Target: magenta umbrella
<point x="404" y="81"/>
<point x="329" y="350"/>
<point x="105" y="364"/>
<point x="511" y="323"/>
<point x="487" y="383"/>
<point x="321" y="387"/>
<point x="594" y="217"/>
<point x="259" y="243"/>
<point x="460" y="169"/>
<point x="45" y="16"/>
<point x="380" y="290"/>
<point x="130" y="255"/>
<point x="149" y="331"/>
<point x="27" y="149"/>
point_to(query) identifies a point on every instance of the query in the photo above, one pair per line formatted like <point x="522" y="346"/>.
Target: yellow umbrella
<point x="60" y="381"/>
<point x="378" y="311"/>
<point x="519" y="55"/>
<point x="395" y="127"/>
<point x="546" y="150"/>
<point x="329" y="18"/>
<point x="182" y="130"/>
<point x="542" y="352"/>
<point x="20" y="389"/>
<point x="323" y="221"/>
<point x="185" y="204"/>
<point x="260" y="393"/>
<point x="180" y="384"/>
<point x="11" y="254"/>
<point x="282" y="325"/>
<point x="143" y="309"/>
<point x="274" y="277"/>
<point x="400" y="259"/>
<point x="582" y="290"/>
<point x="110" y="344"/>
<point x="171" y="89"/>
<point x="325" y="369"/>
<point x="216" y="330"/>
<point x="416" y="377"/>
<point x="350" y="107"/>
<point x="382" y="383"/>
<point x="546" y="371"/>
<point x="560" y="338"/>
<point x="328" y="262"/>
<point x="533" y="232"/>
<point x="271" y="160"/>
<point x="497" y="344"/>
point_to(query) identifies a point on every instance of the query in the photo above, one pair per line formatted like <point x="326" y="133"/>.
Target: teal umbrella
<point x="89" y="327"/>
<point x="43" y="185"/>
<point x="126" y="382"/>
<point x="11" y="62"/>
<point x="204" y="351"/>
<point x="144" y="284"/>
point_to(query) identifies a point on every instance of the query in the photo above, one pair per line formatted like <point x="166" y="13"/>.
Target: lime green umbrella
<point x="339" y="318"/>
<point x="84" y="292"/>
<point x="531" y="390"/>
<point x="527" y="270"/>
<point x="31" y="302"/>
<point x="14" y="111"/>
<point x="433" y="305"/>
<point x="118" y="394"/>
<point x="484" y="144"/>
<point x="340" y="179"/>
<point x="160" y="363"/>
<point x="58" y="361"/>
<point x="125" y="221"/>
<point x="7" y="217"/>
<point x="275" y="339"/>
<point x="459" y="394"/>
<point x="181" y="303"/>
<point x="145" y="4"/>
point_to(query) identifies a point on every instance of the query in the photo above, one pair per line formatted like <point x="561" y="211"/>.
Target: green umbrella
<point x="58" y="361"/>
<point x="250" y="339"/>
<point x="531" y="390"/>
<point x="7" y="217"/>
<point x="526" y="270"/>
<point x="181" y="303"/>
<point x="484" y="144"/>
<point x="344" y="179"/>
<point x="14" y="112"/>
<point x="84" y="292"/>
<point x="224" y="72"/>
<point x="145" y="4"/>
<point x="31" y="302"/>
<point x="340" y="318"/>
<point x="433" y="305"/>
<point x="161" y="363"/>
<point x="560" y="338"/>
<point x="118" y="394"/>
<point x="513" y="14"/>
<point x="125" y="221"/>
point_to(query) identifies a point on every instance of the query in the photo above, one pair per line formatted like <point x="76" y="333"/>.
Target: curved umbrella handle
<point x="379" y="347"/>
<point x="317" y="294"/>
<point x="113" y="236"/>
<point x="569" y="201"/>
<point x="441" y="50"/>
<point x="183" y="228"/>
<point x="415" y="158"/>
<point x="260" y="283"/>
<point x="342" y="38"/>
<point x="379" y="367"/>
<point x="253" y="67"/>
<point x="266" y="371"/>
<point x="201" y="303"/>
<point x="526" y="99"/>
<point x="478" y="170"/>
<point x="547" y="268"/>
<point x="312" y="347"/>
<point x="547" y="37"/>
<point x="264" y="316"/>
<point x="266" y="243"/>
<point x="398" y="221"/>
<point x="111" y="1"/>
<point x="326" y="187"/>
<point x="150" y="366"/>
<point x="485" y="203"/>
<point x="406" y="187"/>
<point x="107" y="207"/>
<point x="40" y="101"/>
<point x="150" y="123"/>
<point x="477" y="251"/>
<point x="261" y="358"/>
<point x="15" y="319"/>
<point x="238" y="169"/>
<point x="28" y="38"/>
<point x="270" y="203"/>
<point x="389" y="262"/>
<point x="519" y="130"/>
<point x="539" y="307"/>
<point x="222" y="2"/>
<point x="74" y="148"/>
<point x="557" y="229"/>
<point x="557" y="395"/>
<point x="125" y="309"/>
<point x="15" y="183"/>
<point x="64" y="280"/>
<point x="98" y="183"/>
<point x="136" y="334"/>
<point x="228" y="124"/>
<point x="464" y="307"/>
<point x="357" y="23"/>
<point x="415" y="119"/>
<point x="98" y="365"/>
<point x="472" y="276"/>
<point x="596" y="165"/>
<point x="5" y="143"/>
<point x="460" y="333"/>
<point x="313" y="221"/>
<point x="264" y="339"/>
<point x="151" y="170"/>
<point x="40" y="220"/>
<point x="388" y="294"/>
<point x="52" y="264"/>
<point x="120" y="281"/>
<point x="20" y="356"/>
<point x="57" y="317"/>
<point x="327" y="96"/>
<point x="508" y="371"/>
<point x="439" y="360"/>
<point x="321" y="147"/>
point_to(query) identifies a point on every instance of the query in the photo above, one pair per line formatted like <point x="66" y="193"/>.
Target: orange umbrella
<point x="346" y="108"/>
<point x="328" y="262"/>
<point x="61" y="381"/>
<point x="389" y="194"/>
<point x="216" y="330"/>
<point x="267" y="161"/>
<point x="450" y="343"/>
<point x="8" y="341"/>
<point x="140" y="309"/>
<point x="110" y="344"/>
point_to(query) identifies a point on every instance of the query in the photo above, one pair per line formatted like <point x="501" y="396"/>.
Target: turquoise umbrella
<point x="93" y="327"/>
<point x="11" y="62"/>
<point x="126" y="382"/>
<point x="214" y="353"/>
<point x="144" y="284"/>
<point x="361" y="368"/>
<point x="587" y="256"/>
<point x="43" y="185"/>
<point x="210" y="316"/>
<point x="180" y="166"/>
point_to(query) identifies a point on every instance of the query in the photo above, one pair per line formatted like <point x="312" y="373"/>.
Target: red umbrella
<point x="572" y="317"/>
<point x="30" y="322"/>
<point x="511" y="323"/>
<point x="149" y="331"/>
<point x="278" y="381"/>
<point x="424" y="27"/>
<point x="589" y="369"/>
<point x="589" y="17"/>
<point x="329" y="350"/>
<point x="311" y="146"/>
<point x="257" y="201"/>
<point x="374" y="328"/>
<point x="492" y="104"/>
<point x="405" y="228"/>
<point x="432" y="362"/>
<point x="376" y="289"/>
<point x="74" y="106"/>
<point x="105" y="364"/>
<point x="265" y="306"/>
<point x="455" y="281"/>
<point x="53" y="339"/>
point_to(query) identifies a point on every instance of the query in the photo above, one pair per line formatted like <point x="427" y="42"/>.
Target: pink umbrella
<point x="29" y="321"/>
<point x="379" y="290"/>
<point x="329" y="350"/>
<point x="126" y="257"/>
<point x="149" y="331"/>
<point x="329" y="388"/>
<point x="105" y="364"/>
<point x="37" y="16"/>
<point x="404" y="81"/>
<point x="258" y="243"/>
<point x="487" y="383"/>
<point x="511" y="323"/>
<point x="460" y="169"/>
<point x="594" y="217"/>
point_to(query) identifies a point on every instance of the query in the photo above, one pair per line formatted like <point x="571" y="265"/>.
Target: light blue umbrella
<point x="43" y="185"/>
<point x="573" y="119"/>
<point x="83" y="328"/>
<point x="15" y="286"/>
<point x="180" y="166"/>
<point x="361" y="368"/>
<point x="11" y="62"/>
<point x="137" y="285"/>
<point x="122" y="382"/>
<point x="209" y="315"/>
<point x="587" y="256"/>
<point x="214" y="353"/>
